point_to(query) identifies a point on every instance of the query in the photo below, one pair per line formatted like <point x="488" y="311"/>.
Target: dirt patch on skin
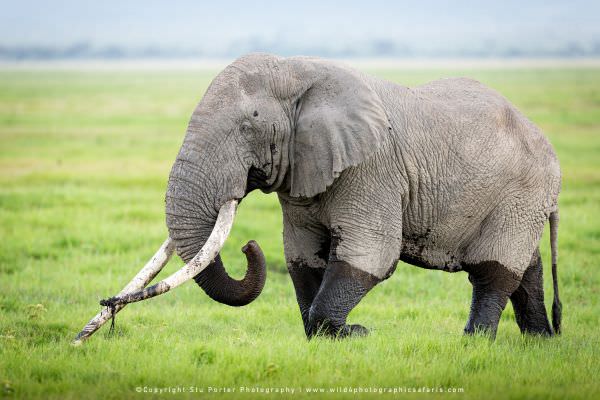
<point x="335" y="241"/>
<point x="325" y="249"/>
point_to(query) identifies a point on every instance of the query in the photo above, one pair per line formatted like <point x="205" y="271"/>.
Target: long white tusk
<point x="146" y="274"/>
<point x="205" y="256"/>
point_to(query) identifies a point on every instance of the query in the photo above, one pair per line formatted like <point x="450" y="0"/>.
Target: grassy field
<point x="84" y="160"/>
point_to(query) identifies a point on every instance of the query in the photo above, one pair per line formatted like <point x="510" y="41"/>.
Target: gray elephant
<point x="447" y="175"/>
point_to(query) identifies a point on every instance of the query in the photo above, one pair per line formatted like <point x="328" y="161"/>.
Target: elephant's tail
<point x="556" y="304"/>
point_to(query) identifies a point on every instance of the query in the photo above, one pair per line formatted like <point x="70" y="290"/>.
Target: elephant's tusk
<point x="146" y="274"/>
<point x="205" y="256"/>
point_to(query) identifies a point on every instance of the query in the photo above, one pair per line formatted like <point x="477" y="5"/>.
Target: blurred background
<point x="197" y="30"/>
<point x="95" y="98"/>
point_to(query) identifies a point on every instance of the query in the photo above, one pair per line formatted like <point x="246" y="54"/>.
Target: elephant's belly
<point x="427" y="255"/>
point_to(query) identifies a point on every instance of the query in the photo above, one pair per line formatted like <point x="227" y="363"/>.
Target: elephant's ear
<point x="340" y="122"/>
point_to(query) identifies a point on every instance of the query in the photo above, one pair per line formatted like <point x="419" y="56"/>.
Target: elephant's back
<point x="457" y="132"/>
<point x="473" y="112"/>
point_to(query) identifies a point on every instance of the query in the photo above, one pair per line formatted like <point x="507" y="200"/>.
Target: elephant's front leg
<point x="307" y="281"/>
<point x="355" y="251"/>
<point x="306" y="243"/>
<point x="342" y="289"/>
<point x="366" y="241"/>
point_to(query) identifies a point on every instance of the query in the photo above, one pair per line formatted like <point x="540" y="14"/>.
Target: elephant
<point x="447" y="175"/>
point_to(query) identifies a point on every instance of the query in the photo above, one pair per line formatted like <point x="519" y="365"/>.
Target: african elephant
<point x="447" y="175"/>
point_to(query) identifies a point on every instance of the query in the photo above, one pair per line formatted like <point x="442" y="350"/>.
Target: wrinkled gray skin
<point x="447" y="175"/>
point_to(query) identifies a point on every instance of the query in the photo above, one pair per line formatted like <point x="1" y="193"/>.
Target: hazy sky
<point x="196" y="24"/>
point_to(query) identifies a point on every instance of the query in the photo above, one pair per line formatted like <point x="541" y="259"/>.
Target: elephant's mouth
<point x="257" y="179"/>
<point x="136" y="291"/>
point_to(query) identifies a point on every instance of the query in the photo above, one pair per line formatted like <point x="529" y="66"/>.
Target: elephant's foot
<point x="342" y="289"/>
<point x="528" y="300"/>
<point x="357" y="330"/>
<point x="328" y="330"/>
<point x="492" y="286"/>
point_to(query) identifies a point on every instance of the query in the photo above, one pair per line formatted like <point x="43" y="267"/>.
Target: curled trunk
<point x="219" y="286"/>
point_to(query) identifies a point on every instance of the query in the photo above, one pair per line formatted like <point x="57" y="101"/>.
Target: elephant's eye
<point x="246" y="127"/>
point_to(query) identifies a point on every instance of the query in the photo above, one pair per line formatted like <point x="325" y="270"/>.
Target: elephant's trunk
<point x="194" y="196"/>
<point x="220" y="287"/>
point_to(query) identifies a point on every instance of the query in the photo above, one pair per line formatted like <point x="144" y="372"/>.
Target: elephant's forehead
<point x="231" y="89"/>
<point x="223" y="90"/>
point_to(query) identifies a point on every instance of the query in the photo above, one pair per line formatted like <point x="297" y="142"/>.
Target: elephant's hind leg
<point x="342" y="289"/>
<point x="528" y="300"/>
<point x="492" y="286"/>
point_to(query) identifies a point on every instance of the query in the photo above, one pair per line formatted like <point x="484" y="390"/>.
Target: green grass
<point x="84" y="160"/>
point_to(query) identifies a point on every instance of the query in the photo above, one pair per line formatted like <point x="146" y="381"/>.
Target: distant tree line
<point x="376" y="48"/>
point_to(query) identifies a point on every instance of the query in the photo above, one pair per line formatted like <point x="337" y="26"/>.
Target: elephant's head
<point x="272" y="124"/>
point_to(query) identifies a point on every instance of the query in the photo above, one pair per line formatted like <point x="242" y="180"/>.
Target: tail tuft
<point x="556" y="304"/>
<point x="556" y="315"/>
